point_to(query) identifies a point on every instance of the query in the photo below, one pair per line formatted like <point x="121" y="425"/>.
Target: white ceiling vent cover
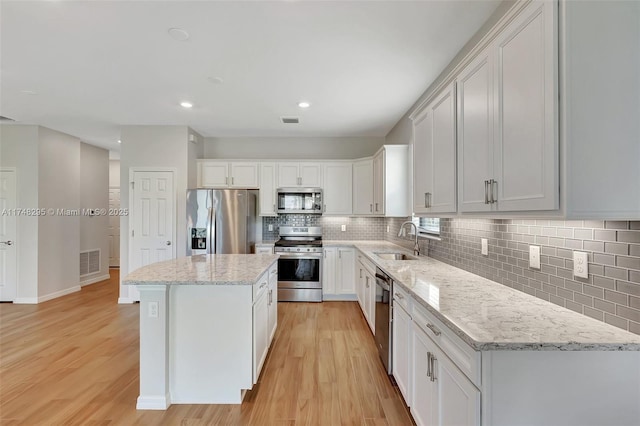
<point x="89" y="262"/>
<point x="290" y="120"/>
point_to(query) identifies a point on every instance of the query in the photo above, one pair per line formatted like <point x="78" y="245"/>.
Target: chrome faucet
<point x="416" y="247"/>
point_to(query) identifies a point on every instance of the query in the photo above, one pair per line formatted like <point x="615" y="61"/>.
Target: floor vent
<point x="89" y="262"/>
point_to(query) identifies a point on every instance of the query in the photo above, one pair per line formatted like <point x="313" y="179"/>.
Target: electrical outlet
<point x="388" y="227"/>
<point x="580" y="264"/>
<point x="153" y="309"/>
<point x="534" y="257"/>
<point x="343" y="228"/>
<point x="270" y="227"/>
<point x="485" y="246"/>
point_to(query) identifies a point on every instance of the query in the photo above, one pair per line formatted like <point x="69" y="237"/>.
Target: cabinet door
<point x="273" y="303"/>
<point x="378" y="183"/>
<point x="260" y="332"/>
<point x="345" y="276"/>
<point x="363" y="187"/>
<point x="337" y="188"/>
<point x="288" y="175"/>
<point x="244" y="175"/>
<point x="443" y="158"/>
<point x="268" y="189"/>
<point x="475" y="133"/>
<point x="526" y="137"/>
<point x="424" y="402"/>
<point x="422" y="153"/>
<point x="459" y="399"/>
<point x="329" y="270"/>
<point x="310" y="175"/>
<point x="214" y="174"/>
<point x="370" y="300"/>
<point x="401" y="347"/>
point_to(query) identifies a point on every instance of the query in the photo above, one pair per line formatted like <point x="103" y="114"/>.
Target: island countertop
<point x="491" y="316"/>
<point x="205" y="269"/>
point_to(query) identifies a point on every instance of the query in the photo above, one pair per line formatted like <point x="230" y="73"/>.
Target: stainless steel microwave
<point x="299" y="200"/>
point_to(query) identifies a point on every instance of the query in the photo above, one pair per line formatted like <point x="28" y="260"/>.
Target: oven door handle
<point x="299" y="255"/>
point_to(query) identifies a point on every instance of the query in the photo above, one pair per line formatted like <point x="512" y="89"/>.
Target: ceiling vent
<point x="6" y="119"/>
<point x="290" y="120"/>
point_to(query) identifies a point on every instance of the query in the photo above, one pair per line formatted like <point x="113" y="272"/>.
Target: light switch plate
<point x="270" y="227"/>
<point x="485" y="246"/>
<point x="580" y="264"/>
<point x="534" y="257"/>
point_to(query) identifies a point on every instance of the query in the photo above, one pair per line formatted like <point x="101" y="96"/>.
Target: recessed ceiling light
<point x="119" y="141"/>
<point x="304" y="104"/>
<point x="178" y="34"/>
<point x="186" y="104"/>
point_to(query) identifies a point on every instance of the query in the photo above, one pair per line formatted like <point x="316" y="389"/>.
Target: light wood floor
<point x="74" y="360"/>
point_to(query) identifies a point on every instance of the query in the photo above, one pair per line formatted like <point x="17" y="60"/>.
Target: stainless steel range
<point x="300" y="264"/>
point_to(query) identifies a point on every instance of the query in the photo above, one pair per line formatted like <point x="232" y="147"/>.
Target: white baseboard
<point x="125" y="301"/>
<point x="95" y="280"/>
<point x="153" y="403"/>
<point x="26" y="301"/>
<point x="58" y="294"/>
<point x="340" y="297"/>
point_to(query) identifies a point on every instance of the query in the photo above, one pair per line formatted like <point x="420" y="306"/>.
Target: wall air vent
<point x="89" y="262"/>
<point x="6" y="119"/>
<point x="290" y="120"/>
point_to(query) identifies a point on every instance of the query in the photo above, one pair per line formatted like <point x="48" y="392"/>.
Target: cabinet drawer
<point x="261" y="285"/>
<point x="463" y="355"/>
<point x="402" y="298"/>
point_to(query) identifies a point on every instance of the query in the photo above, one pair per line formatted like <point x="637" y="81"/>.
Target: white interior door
<point x="114" y="228"/>
<point x="152" y="234"/>
<point x="8" y="265"/>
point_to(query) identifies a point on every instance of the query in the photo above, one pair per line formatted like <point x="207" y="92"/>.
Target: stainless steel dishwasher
<point x="384" y="286"/>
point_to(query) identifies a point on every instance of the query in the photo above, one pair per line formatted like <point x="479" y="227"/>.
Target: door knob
<point x="168" y="243"/>
<point x="9" y="243"/>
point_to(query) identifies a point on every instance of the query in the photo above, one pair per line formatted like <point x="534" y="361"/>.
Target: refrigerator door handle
<point x="210" y="230"/>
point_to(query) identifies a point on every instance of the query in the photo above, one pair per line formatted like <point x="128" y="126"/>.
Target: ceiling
<point x="88" y="67"/>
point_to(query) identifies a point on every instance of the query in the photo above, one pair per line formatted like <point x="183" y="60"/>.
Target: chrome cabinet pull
<point x="9" y="243"/>
<point x="486" y="192"/>
<point x="429" y="365"/>
<point x="429" y="199"/>
<point x="434" y="329"/>
<point x="231" y="180"/>
<point x="226" y="180"/>
<point x="376" y="206"/>
<point x="371" y="208"/>
<point x="426" y="203"/>
<point x="399" y="296"/>
<point x="433" y="368"/>
<point x="494" y="198"/>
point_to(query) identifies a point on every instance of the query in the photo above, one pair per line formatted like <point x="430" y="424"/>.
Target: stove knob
<point x="298" y="249"/>
<point x="308" y="249"/>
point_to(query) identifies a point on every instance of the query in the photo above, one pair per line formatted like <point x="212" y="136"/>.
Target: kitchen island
<point x="206" y="324"/>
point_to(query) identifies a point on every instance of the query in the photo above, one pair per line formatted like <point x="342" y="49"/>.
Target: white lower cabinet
<point x="366" y="290"/>
<point x="440" y="393"/>
<point x="260" y="326"/>
<point x="401" y="349"/>
<point x="272" y="302"/>
<point x="338" y="279"/>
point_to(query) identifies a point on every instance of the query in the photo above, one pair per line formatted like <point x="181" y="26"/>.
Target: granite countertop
<point x="205" y="269"/>
<point x="488" y="315"/>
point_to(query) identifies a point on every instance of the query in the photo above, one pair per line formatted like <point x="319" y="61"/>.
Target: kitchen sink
<point x="395" y="256"/>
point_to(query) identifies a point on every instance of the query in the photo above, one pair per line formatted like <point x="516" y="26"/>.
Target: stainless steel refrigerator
<point x="220" y="221"/>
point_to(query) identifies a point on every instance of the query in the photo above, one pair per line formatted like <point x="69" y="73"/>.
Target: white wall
<point x="114" y="173"/>
<point x="195" y="150"/>
<point x="153" y="146"/>
<point x="94" y="194"/>
<point x="19" y="149"/>
<point x="292" y="148"/>
<point x="58" y="235"/>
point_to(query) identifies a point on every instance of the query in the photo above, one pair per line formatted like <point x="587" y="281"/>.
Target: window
<point x="427" y="225"/>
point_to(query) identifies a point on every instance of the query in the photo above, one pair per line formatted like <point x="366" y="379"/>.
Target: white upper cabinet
<point x="475" y="133"/>
<point x="268" y="189"/>
<point x="337" y="184"/>
<point x="508" y="153"/>
<point x="224" y="174"/>
<point x="434" y="155"/>
<point x="526" y="132"/>
<point x="362" y="187"/>
<point x="378" y="183"/>
<point x="291" y="174"/>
